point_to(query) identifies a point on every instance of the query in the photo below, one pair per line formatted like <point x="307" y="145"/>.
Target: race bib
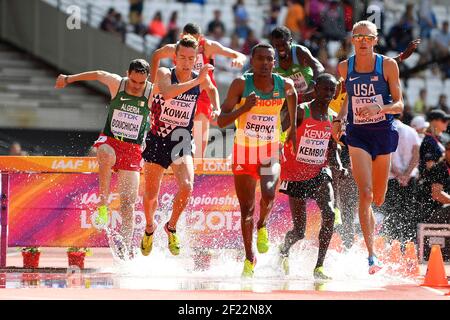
<point x="261" y="126"/>
<point x="299" y="82"/>
<point x="313" y="146"/>
<point x="177" y="112"/>
<point x="359" y="102"/>
<point x="126" y="124"/>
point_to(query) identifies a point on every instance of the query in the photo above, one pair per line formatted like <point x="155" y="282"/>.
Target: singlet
<point x="313" y="137"/>
<point x="261" y="125"/>
<point x="128" y="115"/>
<point x="178" y="112"/>
<point x="301" y="75"/>
<point x="364" y="89"/>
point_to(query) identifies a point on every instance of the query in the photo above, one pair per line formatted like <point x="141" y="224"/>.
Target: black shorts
<point x="164" y="151"/>
<point x="307" y="189"/>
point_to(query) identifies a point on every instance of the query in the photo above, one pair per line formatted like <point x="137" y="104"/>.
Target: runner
<point x="169" y="142"/>
<point x="373" y="94"/>
<point x="119" y="146"/>
<point x="254" y="101"/>
<point x="306" y="175"/>
<point x="207" y="50"/>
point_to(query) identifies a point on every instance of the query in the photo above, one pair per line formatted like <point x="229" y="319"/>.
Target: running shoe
<point x="146" y="243"/>
<point x="374" y="264"/>
<point x="249" y="268"/>
<point x="262" y="241"/>
<point x="174" y="242"/>
<point x="102" y="216"/>
<point x="319" y="274"/>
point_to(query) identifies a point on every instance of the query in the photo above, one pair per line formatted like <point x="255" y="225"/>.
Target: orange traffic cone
<point x="336" y="243"/>
<point x="410" y="263"/>
<point x="435" y="276"/>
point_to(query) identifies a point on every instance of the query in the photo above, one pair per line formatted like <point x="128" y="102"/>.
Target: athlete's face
<point x="325" y="91"/>
<point x="282" y="46"/>
<point x="364" y="39"/>
<point x="185" y="59"/>
<point x="136" y="82"/>
<point x="262" y="61"/>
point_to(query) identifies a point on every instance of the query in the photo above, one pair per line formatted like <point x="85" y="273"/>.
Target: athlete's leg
<point x="298" y="212"/>
<point x="201" y="134"/>
<point x="269" y="175"/>
<point x="325" y="202"/>
<point x="362" y="172"/>
<point x="183" y="171"/>
<point x="128" y="191"/>
<point x="380" y="174"/>
<point x="153" y="174"/>
<point x="106" y="157"/>
<point x="245" y="191"/>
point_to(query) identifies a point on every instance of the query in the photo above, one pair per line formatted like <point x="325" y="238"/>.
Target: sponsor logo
<point x="374" y="78"/>
<point x="124" y="99"/>
<point x="310" y="125"/>
<point x="353" y="79"/>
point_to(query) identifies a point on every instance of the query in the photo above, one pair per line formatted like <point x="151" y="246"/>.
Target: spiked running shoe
<point x="262" y="241"/>
<point x="102" y="216"/>
<point x="249" y="268"/>
<point x="147" y="243"/>
<point x="374" y="264"/>
<point x="319" y="274"/>
<point x="174" y="242"/>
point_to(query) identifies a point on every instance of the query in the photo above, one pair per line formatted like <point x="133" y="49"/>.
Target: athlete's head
<point x="186" y="53"/>
<point x="137" y="74"/>
<point x="192" y="29"/>
<point x="325" y="87"/>
<point x="364" y="37"/>
<point x="262" y="60"/>
<point x="281" y="39"/>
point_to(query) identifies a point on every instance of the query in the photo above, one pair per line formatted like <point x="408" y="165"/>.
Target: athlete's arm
<point x="393" y="78"/>
<point x="169" y="90"/>
<point x="167" y="51"/>
<point x="291" y="98"/>
<point x="438" y="193"/>
<point x="213" y="95"/>
<point x="111" y="80"/>
<point x="215" y="48"/>
<point x="228" y="115"/>
<point x="412" y="46"/>
<point x="337" y="123"/>
<point x="305" y="57"/>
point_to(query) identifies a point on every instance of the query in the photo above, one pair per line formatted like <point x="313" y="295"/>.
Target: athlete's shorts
<point x="164" y="152"/>
<point x="128" y="155"/>
<point x="375" y="141"/>
<point x="307" y="189"/>
<point x="249" y="160"/>
<point x="204" y="105"/>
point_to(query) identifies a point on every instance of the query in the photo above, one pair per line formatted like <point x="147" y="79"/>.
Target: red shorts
<point x="248" y="160"/>
<point x="204" y="105"/>
<point x="128" y="155"/>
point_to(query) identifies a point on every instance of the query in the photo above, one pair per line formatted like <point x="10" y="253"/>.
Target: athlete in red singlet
<point x="207" y="50"/>
<point x="306" y="175"/>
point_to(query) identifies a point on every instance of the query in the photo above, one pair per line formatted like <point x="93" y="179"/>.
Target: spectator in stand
<point x="108" y="22"/>
<point x="441" y="41"/>
<point x="217" y="24"/>
<point x="241" y="19"/>
<point x="436" y="190"/>
<point x="442" y="103"/>
<point x="432" y="148"/>
<point x="347" y="5"/>
<point x="16" y="149"/>
<point x="427" y="19"/>
<point x="313" y="10"/>
<point x="420" y="107"/>
<point x="400" y="206"/>
<point x="173" y="31"/>
<point x="401" y="34"/>
<point x="272" y="17"/>
<point x="333" y="24"/>
<point x="120" y="26"/>
<point x="420" y="125"/>
<point x="345" y="50"/>
<point x="295" y="18"/>
<point x="135" y="16"/>
<point x="138" y="26"/>
<point x="249" y="43"/>
<point x="156" y="26"/>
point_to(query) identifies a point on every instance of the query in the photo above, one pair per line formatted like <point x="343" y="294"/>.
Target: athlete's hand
<point x="61" y="81"/>
<point x="403" y="180"/>
<point x="250" y="101"/>
<point x="412" y="46"/>
<point x="237" y="63"/>
<point x="202" y="76"/>
<point x="215" y="114"/>
<point x="369" y="111"/>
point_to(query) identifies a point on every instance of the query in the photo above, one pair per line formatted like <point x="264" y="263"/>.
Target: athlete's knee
<point x="268" y="196"/>
<point x="296" y="234"/>
<point x="366" y="194"/>
<point x="378" y="199"/>
<point x="247" y="209"/>
<point x="186" y="187"/>
<point x="105" y="152"/>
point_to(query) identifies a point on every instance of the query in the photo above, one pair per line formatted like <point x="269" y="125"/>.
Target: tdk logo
<point x="366" y="100"/>
<point x="263" y="118"/>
